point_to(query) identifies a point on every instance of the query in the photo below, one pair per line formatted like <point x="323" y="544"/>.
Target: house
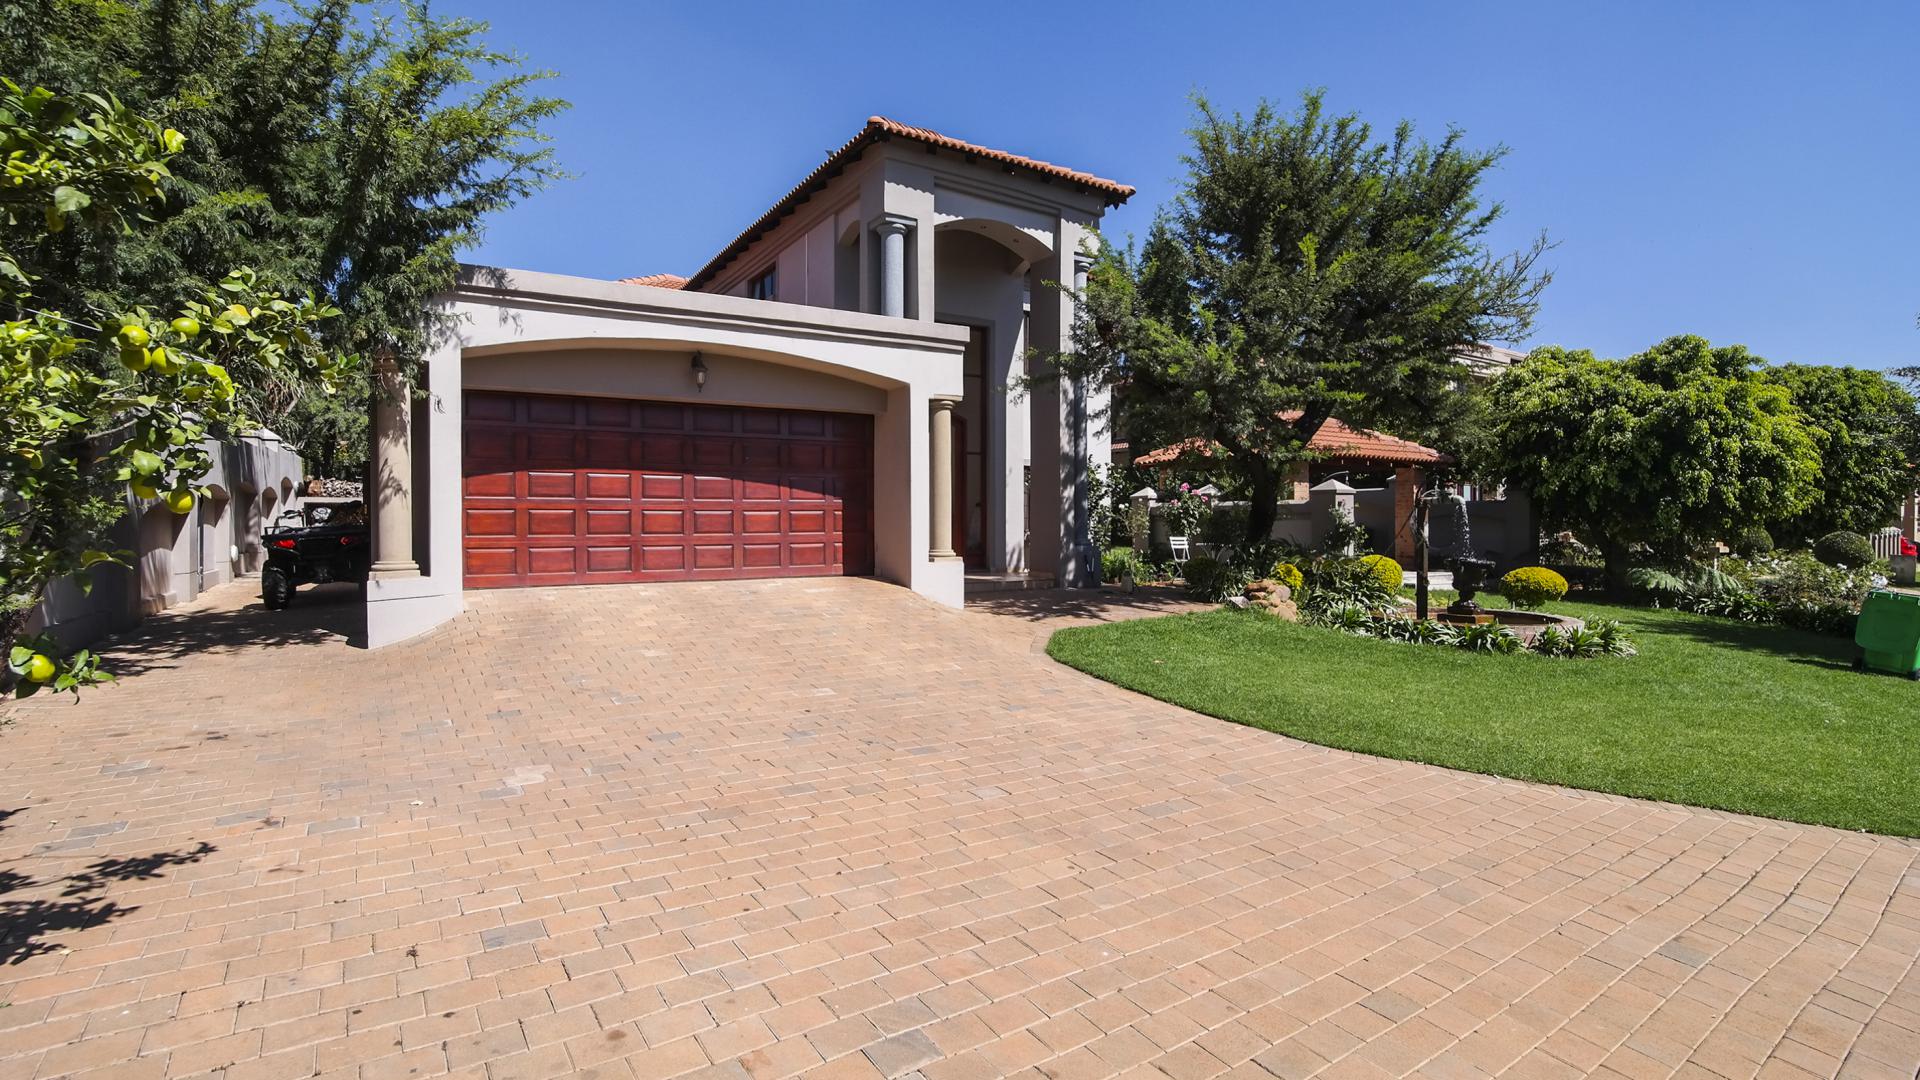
<point x="827" y="395"/>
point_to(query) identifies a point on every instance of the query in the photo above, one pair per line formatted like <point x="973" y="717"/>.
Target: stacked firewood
<point x="321" y="487"/>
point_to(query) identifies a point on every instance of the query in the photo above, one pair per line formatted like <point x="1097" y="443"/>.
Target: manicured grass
<point x="1712" y="712"/>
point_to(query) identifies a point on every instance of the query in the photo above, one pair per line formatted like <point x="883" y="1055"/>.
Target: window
<point x="763" y="287"/>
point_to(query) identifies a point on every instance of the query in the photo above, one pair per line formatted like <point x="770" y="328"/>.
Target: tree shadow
<point x="27" y="925"/>
<point x="1796" y="646"/>
<point x="319" y="614"/>
<point x="1106" y="605"/>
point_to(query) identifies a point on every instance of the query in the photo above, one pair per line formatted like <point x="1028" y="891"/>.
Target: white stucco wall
<point x="543" y="332"/>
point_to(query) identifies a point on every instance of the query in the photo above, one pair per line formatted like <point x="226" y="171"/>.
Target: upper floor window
<point x="764" y="286"/>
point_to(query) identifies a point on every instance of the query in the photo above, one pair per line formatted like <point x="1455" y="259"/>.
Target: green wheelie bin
<point x="1888" y="633"/>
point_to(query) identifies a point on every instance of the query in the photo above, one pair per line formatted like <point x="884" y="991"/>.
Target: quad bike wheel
<point x="275" y="590"/>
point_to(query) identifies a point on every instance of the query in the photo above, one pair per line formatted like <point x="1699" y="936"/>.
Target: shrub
<point x="1287" y="574"/>
<point x="1532" y="587"/>
<point x="1385" y="569"/>
<point x="1210" y="579"/>
<point x="1226" y="524"/>
<point x="1844" y="549"/>
<point x="1114" y="563"/>
<point x="1752" y="540"/>
<point x="1329" y="582"/>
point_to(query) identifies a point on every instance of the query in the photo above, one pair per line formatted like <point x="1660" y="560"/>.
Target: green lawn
<point x="1712" y="712"/>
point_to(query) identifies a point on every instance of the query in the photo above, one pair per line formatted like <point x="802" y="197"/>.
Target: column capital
<point x="892" y="223"/>
<point x="943" y="404"/>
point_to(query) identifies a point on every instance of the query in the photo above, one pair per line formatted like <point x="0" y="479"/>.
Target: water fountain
<point x="1470" y="574"/>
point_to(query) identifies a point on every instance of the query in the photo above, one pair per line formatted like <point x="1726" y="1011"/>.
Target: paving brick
<point x="821" y="828"/>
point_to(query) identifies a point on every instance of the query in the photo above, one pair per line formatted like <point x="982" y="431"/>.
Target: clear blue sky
<point x="1745" y="171"/>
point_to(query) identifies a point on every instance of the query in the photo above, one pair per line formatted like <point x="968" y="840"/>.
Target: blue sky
<point x="1744" y="171"/>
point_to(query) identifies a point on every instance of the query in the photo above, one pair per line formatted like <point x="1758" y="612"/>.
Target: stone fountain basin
<point x="1526" y="624"/>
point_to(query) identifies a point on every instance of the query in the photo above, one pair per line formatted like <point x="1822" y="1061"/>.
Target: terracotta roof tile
<point x="1335" y="440"/>
<point x="657" y="281"/>
<point x="879" y="129"/>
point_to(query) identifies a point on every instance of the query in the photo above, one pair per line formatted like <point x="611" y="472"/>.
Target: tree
<point x="97" y="404"/>
<point x="1670" y="448"/>
<point x="1866" y="431"/>
<point x="351" y="146"/>
<point x="1306" y="271"/>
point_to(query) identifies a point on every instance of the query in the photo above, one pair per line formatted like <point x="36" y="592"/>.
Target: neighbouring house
<point x="175" y="557"/>
<point x="827" y="395"/>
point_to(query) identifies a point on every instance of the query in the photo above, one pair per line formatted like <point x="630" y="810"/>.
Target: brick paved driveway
<point x="825" y="829"/>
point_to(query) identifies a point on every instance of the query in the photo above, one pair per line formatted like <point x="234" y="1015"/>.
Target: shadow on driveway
<point x="231" y="617"/>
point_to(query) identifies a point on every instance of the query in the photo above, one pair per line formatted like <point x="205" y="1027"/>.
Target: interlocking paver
<point x="822" y="828"/>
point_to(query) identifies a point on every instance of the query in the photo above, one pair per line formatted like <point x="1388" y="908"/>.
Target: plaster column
<point x="940" y="542"/>
<point x="893" y="265"/>
<point x="1406" y="483"/>
<point x="392" y="497"/>
<point x="1083" y="466"/>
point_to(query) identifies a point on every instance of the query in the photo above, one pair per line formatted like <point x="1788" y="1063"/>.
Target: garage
<point x="579" y="490"/>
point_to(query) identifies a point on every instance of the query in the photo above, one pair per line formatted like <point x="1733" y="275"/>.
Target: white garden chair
<point x="1182" y="551"/>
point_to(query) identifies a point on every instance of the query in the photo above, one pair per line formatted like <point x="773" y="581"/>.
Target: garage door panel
<point x="551" y="560"/>
<point x="609" y="485"/>
<point x="710" y="452"/>
<point x="663" y="522"/>
<point x="546" y="484"/>
<point x="713" y="523"/>
<point x="553" y="410"/>
<point x="556" y="449"/>
<point x="713" y="556"/>
<point x="490" y="521"/>
<point x="713" y="487"/>
<point x="491" y="562"/>
<point x="609" y="522"/>
<point x="610" y="560"/>
<point x="663" y="557"/>
<point x="491" y="485"/>
<point x="657" y="486"/>
<point x="659" y="451"/>
<point x="550" y="522"/>
<point x="563" y="490"/>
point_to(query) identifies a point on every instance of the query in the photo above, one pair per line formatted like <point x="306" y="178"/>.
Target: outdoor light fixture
<point x="699" y="373"/>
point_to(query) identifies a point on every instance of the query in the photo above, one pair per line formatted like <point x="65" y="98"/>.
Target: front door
<point x="970" y="435"/>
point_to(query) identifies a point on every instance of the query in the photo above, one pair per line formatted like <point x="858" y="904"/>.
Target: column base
<point x="401" y="569"/>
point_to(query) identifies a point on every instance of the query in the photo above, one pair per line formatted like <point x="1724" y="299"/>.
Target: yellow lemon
<point x="134" y="337"/>
<point x="180" y="500"/>
<point x="40" y="668"/>
<point x="143" y="490"/>
<point x="186" y="328"/>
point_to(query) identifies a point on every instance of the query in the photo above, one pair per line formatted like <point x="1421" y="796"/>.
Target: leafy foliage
<point x="1752" y="540"/>
<point x="1668" y="449"/>
<point x="1115" y="562"/>
<point x="1287" y="574"/>
<point x="1386" y="570"/>
<point x="1532" y="587"/>
<point x="351" y="146"/>
<point x="1307" y="270"/>
<point x="1843" y="549"/>
<point x="84" y="420"/>
<point x="1866" y="432"/>
<point x="1214" y="579"/>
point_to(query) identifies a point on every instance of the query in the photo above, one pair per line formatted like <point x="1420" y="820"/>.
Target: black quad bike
<point x="319" y="542"/>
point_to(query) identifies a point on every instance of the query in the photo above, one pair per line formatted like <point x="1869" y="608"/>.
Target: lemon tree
<point x="94" y="405"/>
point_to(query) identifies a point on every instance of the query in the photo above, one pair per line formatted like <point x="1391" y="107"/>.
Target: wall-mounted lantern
<point x="699" y="373"/>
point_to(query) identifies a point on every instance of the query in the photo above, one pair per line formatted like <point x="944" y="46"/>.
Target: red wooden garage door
<point x="570" y="490"/>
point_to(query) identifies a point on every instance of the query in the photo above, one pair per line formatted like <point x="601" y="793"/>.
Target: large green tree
<point x="351" y="146"/>
<point x="1308" y="270"/>
<point x="1867" y="433"/>
<point x="99" y="403"/>
<point x="1667" y="449"/>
